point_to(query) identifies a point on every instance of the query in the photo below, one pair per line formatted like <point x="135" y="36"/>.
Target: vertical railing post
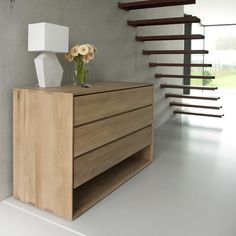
<point x="187" y="57"/>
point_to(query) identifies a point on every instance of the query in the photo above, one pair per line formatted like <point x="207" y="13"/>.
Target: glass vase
<point x="81" y="74"/>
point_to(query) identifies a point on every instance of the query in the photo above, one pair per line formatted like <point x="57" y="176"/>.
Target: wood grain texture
<point x="24" y="168"/>
<point x="43" y="163"/>
<point x="49" y="151"/>
<point x="98" y="87"/>
<point x="98" y="188"/>
<point x="93" y="163"/>
<point x="104" y="131"/>
<point x="102" y="105"/>
<point x="147" y="153"/>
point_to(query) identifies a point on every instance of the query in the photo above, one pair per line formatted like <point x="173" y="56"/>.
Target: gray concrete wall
<point x="99" y="22"/>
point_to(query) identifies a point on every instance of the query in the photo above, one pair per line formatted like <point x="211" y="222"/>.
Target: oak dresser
<point x="72" y="146"/>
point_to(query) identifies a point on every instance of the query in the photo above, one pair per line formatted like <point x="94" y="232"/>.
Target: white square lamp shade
<point x="49" y="39"/>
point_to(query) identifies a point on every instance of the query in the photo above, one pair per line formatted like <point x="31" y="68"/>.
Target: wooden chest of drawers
<point x="73" y="146"/>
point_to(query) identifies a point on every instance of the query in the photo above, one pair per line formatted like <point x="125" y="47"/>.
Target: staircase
<point x="187" y="21"/>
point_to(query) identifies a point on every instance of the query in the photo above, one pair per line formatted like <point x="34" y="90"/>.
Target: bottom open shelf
<point x="99" y="187"/>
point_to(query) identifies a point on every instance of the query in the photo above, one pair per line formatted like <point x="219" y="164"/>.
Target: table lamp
<point x="48" y="39"/>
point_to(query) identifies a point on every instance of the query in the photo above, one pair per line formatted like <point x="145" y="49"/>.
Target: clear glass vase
<point x="80" y="74"/>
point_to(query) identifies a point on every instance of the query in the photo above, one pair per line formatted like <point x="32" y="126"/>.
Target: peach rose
<point x="86" y="59"/>
<point x="69" y="57"/>
<point x="74" y="51"/>
<point x="83" y="50"/>
<point x="91" y="49"/>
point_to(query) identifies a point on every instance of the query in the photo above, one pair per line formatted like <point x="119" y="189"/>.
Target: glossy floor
<point x="189" y="190"/>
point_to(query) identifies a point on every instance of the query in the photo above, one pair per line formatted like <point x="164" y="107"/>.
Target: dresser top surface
<point x="97" y="87"/>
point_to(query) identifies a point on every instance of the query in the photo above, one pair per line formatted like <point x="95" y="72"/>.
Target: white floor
<point x="189" y="190"/>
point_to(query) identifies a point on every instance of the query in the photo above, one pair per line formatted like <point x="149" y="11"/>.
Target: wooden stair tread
<point x="174" y="95"/>
<point x="152" y="64"/>
<point x="187" y="87"/>
<point x="157" y="76"/>
<point x="169" y="37"/>
<point x="197" y="114"/>
<point x="164" y="21"/>
<point x="179" y="104"/>
<point x="153" y="3"/>
<point x="150" y="52"/>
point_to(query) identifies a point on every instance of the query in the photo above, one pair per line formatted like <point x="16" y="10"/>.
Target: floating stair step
<point x="151" y="52"/>
<point x="153" y="3"/>
<point x="197" y="114"/>
<point x="164" y="21"/>
<point x="174" y="95"/>
<point x="179" y="104"/>
<point x="187" y="87"/>
<point x="157" y="76"/>
<point x="152" y="64"/>
<point x="169" y="37"/>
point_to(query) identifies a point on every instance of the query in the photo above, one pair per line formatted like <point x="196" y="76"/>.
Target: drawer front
<point x="94" y="163"/>
<point x="98" y="106"/>
<point x="96" y="134"/>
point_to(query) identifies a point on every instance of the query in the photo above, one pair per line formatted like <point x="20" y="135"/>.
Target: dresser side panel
<point x="43" y="150"/>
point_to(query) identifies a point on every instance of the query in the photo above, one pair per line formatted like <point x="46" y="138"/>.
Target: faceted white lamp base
<point x="49" y="70"/>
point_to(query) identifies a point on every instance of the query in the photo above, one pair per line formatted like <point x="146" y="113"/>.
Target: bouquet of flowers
<point x="81" y="55"/>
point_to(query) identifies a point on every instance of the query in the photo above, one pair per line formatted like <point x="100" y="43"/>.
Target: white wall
<point x="99" y="22"/>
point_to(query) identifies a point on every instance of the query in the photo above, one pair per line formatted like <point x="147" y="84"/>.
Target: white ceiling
<point x="213" y="11"/>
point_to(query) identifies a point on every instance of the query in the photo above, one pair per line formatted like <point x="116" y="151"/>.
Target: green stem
<point x="81" y="74"/>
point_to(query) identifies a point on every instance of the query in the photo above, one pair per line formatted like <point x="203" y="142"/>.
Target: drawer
<point x="94" y="163"/>
<point x="97" y="106"/>
<point x="96" y="134"/>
